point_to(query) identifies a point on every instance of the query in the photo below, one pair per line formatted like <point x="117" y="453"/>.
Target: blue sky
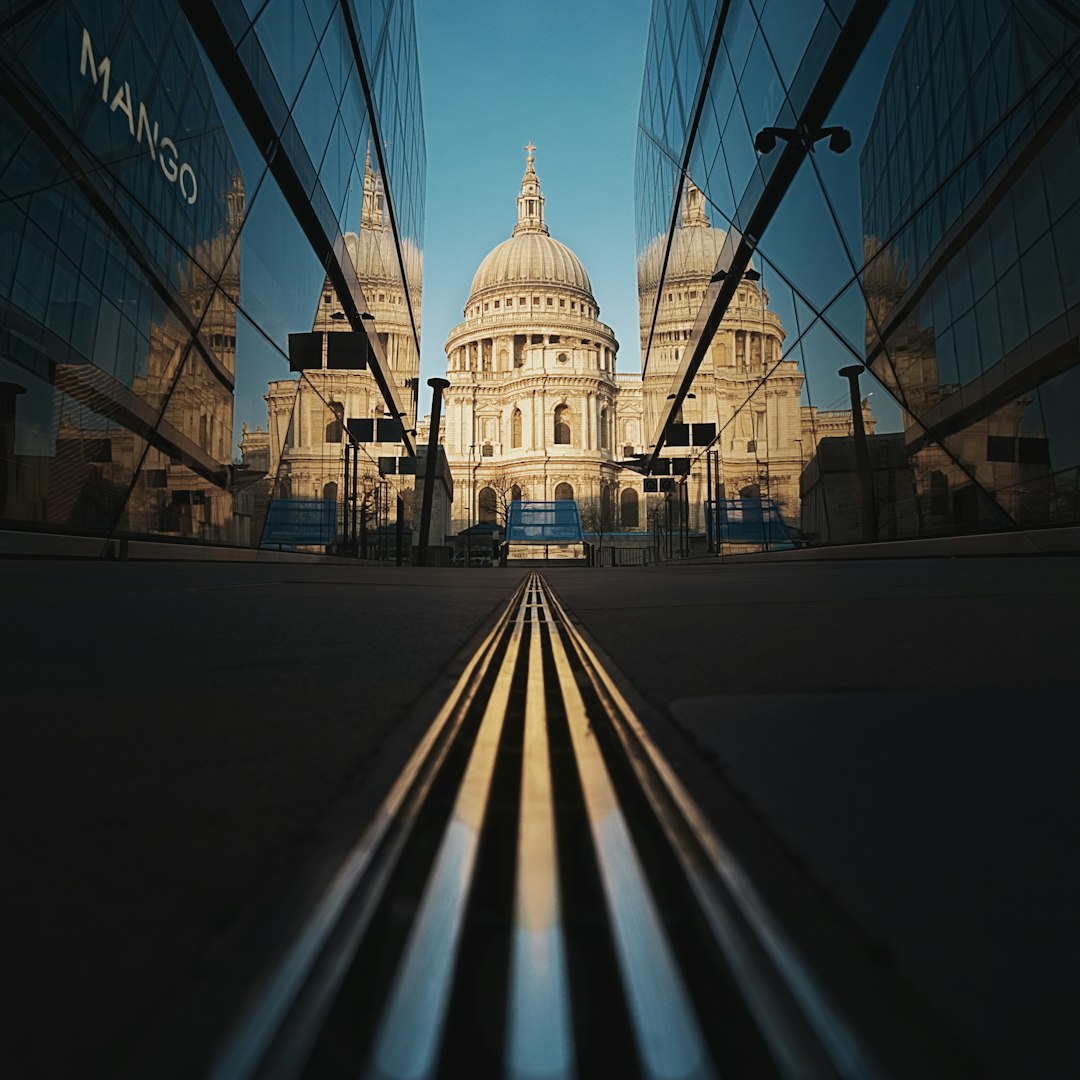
<point x="495" y="74"/>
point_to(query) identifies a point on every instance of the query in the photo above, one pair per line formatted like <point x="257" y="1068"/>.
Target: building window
<point x="521" y="301"/>
<point x="564" y="492"/>
<point x="488" y="506"/>
<point x="562" y="426"/>
<point x="603" y="429"/>
<point x="326" y="298"/>
<point x="334" y="428"/>
<point x="628" y="508"/>
<point x="515" y="429"/>
<point x="536" y="299"/>
<point x="562" y="303"/>
<point x="551" y="303"/>
<point x="515" y="494"/>
<point x="496" y="305"/>
<point x="329" y="491"/>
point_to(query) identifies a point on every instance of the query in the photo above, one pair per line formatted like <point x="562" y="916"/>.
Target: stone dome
<point x="531" y="258"/>
<point x="695" y="247"/>
<point x="372" y="253"/>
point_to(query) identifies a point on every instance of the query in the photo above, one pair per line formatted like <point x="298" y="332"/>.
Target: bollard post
<point x="399" y="530"/>
<point x="862" y="454"/>
<point x="437" y="388"/>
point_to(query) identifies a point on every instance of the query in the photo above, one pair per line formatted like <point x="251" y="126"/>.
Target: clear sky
<point x="495" y="74"/>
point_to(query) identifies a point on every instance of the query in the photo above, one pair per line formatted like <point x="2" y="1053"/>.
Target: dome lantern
<point x="530" y="201"/>
<point x="531" y="258"/>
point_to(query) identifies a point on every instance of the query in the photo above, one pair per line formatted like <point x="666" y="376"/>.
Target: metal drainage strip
<point x="531" y="663"/>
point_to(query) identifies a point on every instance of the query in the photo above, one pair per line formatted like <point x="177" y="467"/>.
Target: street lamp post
<point x="862" y="454"/>
<point x="437" y="388"/>
<point x="469" y="508"/>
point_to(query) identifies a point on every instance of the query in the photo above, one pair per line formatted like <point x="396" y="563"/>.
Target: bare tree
<point x="598" y="517"/>
<point x="502" y="483"/>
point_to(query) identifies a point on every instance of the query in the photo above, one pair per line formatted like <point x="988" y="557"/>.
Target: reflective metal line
<point x="540" y="1035"/>
<point x="245" y="1050"/>
<point x="846" y="1053"/>
<point x="669" y="1040"/>
<point x="408" y="1037"/>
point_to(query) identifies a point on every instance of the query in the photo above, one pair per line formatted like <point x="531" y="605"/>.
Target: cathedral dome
<point x="695" y="247"/>
<point x="373" y="255"/>
<point x="531" y="258"/>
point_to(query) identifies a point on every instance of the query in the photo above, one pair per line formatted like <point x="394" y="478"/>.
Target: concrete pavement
<point x="904" y="734"/>
<point x="887" y="745"/>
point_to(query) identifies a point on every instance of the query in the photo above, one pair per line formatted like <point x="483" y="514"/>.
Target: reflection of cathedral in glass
<point x="307" y="416"/>
<point x="971" y="297"/>
<point x="745" y="387"/>
<point x="126" y="359"/>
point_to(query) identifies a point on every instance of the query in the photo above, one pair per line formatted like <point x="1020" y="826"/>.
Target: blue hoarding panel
<point x="544" y="522"/>
<point x="300" y="521"/>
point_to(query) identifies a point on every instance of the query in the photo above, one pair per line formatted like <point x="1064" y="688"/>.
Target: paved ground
<point x="906" y="730"/>
<point x="890" y="746"/>
<point x="182" y="742"/>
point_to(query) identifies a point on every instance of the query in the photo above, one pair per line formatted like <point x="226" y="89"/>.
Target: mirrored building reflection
<point x="181" y="187"/>
<point x="888" y="186"/>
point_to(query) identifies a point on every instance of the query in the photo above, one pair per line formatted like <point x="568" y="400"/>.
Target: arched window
<point x="336" y="426"/>
<point x="329" y="491"/>
<point x="603" y="429"/>
<point x="605" y="508"/>
<point x="515" y="429"/>
<point x="751" y="503"/>
<point x="628" y="508"/>
<point x="515" y="494"/>
<point x="562" y="426"/>
<point x="487" y="505"/>
<point x="564" y="491"/>
<point x="939" y="493"/>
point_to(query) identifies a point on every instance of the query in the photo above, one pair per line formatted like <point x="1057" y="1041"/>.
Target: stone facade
<point x="306" y="416"/>
<point x="537" y="410"/>
<point x="531" y="408"/>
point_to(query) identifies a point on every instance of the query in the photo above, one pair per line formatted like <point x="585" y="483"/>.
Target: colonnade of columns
<point x="538" y="421"/>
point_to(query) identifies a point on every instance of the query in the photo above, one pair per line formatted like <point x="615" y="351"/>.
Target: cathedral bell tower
<point x="530" y="201"/>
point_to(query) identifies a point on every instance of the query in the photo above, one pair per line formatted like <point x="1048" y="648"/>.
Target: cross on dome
<point x="530" y="201"/>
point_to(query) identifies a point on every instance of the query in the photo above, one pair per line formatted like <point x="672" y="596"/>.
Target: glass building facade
<point x="901" y="175"/>
<point x="182" y="187"/>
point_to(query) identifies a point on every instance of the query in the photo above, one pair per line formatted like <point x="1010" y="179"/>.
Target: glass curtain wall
<point x="880" y="187"/>
<point x="183" y="186"/>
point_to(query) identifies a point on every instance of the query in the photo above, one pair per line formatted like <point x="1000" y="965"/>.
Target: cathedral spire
<point x="530" y="201"/>
<point x="371" y="214"/>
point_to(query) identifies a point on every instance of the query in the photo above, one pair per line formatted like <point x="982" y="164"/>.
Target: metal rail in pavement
<point x="539" y="896"/>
